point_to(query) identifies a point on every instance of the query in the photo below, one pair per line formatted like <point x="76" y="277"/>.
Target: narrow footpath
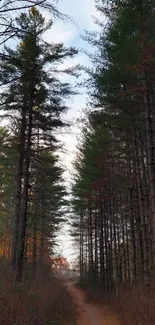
<point x="90" y="314"/>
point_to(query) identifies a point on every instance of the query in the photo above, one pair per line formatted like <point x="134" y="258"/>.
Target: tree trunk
<point x="151" y="162"/>
<point x="23" y="215"/>
<point x="96" y="241"/>
<point x="18" y="195"/>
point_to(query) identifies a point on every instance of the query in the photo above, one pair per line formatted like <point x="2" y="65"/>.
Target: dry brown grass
<point x="133" y="306"/>
<point x="136" y="306"/>
<point x="43" y="302"/>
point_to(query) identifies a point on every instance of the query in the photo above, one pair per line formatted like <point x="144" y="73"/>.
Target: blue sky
<point x="68" y="32"/>
<point x="82" y="13"/>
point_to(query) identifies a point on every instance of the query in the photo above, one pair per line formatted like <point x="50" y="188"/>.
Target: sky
<point x="70" y="33"/>
<point x="82" y="13"/>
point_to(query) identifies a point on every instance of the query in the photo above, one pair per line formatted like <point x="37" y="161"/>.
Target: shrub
<point x="43" y="302"/>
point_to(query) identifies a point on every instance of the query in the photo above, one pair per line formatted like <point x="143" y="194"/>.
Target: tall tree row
<point x="46" y="202"/>
<point x="114" y="185"/>
<point x="33" y="99"/>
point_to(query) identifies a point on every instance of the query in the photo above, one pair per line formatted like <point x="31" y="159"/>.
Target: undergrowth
<point x="136" y="306"/>
<point x="43" y="301"/>
<point x="132" y="306"/>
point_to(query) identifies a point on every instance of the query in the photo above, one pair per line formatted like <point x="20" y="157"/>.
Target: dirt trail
<point x="90" y="314"/>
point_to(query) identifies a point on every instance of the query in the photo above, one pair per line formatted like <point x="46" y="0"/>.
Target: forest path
<point x="90" y="314"/>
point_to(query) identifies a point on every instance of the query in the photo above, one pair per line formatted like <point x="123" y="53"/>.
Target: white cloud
<point x="59" y="33"/>
<point x="82" y="13"/>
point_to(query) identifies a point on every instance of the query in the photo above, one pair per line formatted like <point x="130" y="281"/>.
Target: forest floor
<point x="90" y="313"/>
<point x="43" y="301"/>
<point x="133" y="306"/>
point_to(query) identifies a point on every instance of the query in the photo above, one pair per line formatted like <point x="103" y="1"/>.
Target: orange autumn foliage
<point x="5" y="248"/>
<point x="59" y="262"/>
